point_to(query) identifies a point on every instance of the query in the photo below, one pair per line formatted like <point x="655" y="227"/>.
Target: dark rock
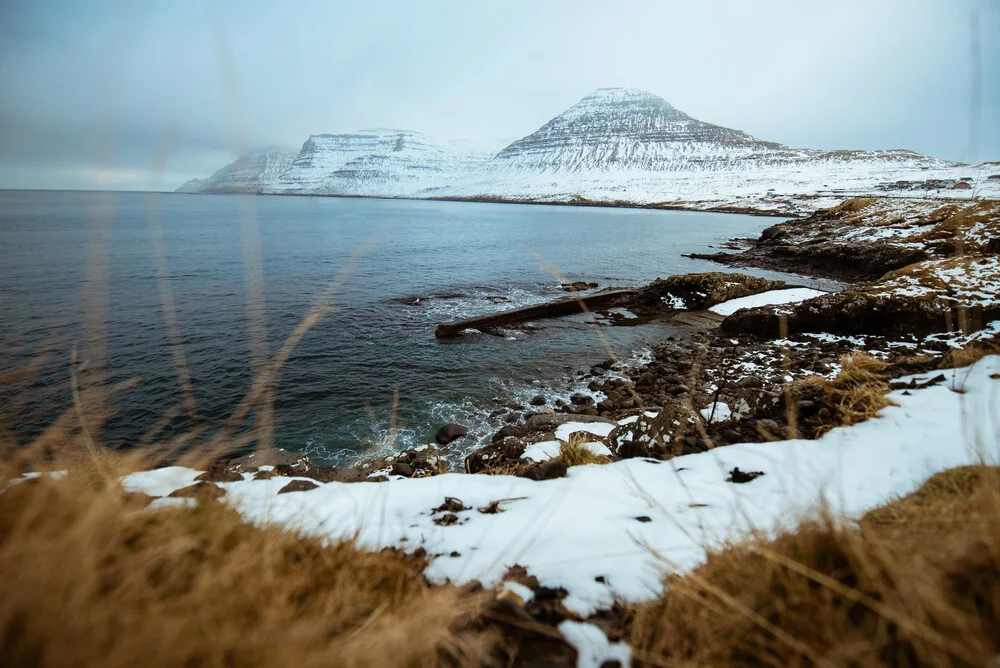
<point x="645" y="380"/>
<point x="450" y="432"/>
<point x="738" y="476"/>
<point x="298" y="486"/>
<point x="578" y="286"/>
<point x="220" y="473"/>
<point x="774" y="232"/>
<point x="537" y="400"/>
<point x="320" y="473"/>
<point x="403" y="469"/>
<point x="581" y="400"/>
<point x="199" y="490"/>
<point x="700" y="291"/>
<point x="545" y="471"/>
<point x="268" y="457"/>
<point x="510" y="430"/>
<point x="732" y="435"/>
<point x="644" y="518"/>
<point x="866" y="308"/>
<point x="993" y="246"/>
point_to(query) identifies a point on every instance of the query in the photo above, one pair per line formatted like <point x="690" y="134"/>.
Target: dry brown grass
<point x="918" y="583"/>
<point x="970" y="354"/>
<point x="90" y="578"/>
<point x="573" y="452"/>
<point x="855" y="394"/>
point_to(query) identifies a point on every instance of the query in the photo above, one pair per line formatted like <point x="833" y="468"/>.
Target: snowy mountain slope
<point x="375" y="163"/>
<point x="254" y="172"/>
<point x="192" y="186"/>
<point x="617" y="146"/>
<point x="628" y="146"/>
<point x="625" y="129"/>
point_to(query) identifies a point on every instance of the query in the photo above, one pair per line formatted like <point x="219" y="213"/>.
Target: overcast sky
<point x="94" y="93"/>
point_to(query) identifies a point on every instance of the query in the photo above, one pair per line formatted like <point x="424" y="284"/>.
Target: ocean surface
<point x="420" y="264"/>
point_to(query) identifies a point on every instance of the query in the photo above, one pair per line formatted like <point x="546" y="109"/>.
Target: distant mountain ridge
<point x="619" y="146"/>
<point x="255" y="172"/>
<point x="378" y="162"/>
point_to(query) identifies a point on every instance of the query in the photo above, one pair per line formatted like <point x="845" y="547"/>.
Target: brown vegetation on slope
<point x="92" y="579"/>
<point x="917" y="583"/>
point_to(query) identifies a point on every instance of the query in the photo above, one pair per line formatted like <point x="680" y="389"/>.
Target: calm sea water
<point x="335" y="395"/>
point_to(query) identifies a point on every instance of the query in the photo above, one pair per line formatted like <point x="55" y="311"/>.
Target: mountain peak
<point x="615" y="100"/>
<point x="618" y="94"/>
<point x="623" y="128"/>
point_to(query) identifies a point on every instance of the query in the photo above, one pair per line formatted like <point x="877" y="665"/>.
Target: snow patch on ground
<point x="769" y="298"/>
<point x="546" y="450"/>
<point x="592" y="646"/>
<point x="568" y="531"/>
<point x="600" y="429"/>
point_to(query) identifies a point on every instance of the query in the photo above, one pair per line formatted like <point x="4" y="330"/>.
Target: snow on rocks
<point x="592" y="646"/>
<point x="546" y="450"/>
<point x="769" y="298"/>
<point x="581" y="532"/>
<point x="160" y="482"/>
<point x="964" y="280"/>
<point x="567" y="429"/>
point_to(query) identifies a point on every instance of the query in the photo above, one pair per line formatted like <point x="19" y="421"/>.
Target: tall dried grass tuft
<point x="574" y="452"/>
<point x="91" y="578"/>
<point x="918" y="583"/>
<point x="857" y="393"/>
<point x="970" y="354"/>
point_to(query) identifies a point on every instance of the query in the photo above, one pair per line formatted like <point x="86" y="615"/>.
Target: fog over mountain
<point x="96" y="92"/>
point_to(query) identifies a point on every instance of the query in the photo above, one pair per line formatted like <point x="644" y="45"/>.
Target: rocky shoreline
<point x="924" y="276"/>
<point x="766" y="373"/>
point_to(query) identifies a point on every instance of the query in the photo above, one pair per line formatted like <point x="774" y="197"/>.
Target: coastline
<point x="737" y="371"/>
<point x="747" y="411"/>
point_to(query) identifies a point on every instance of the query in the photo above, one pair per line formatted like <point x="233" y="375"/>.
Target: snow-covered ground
<point x="769" y="298"/>
<point x="966" y="280"/>
<point x="631" y="521"/>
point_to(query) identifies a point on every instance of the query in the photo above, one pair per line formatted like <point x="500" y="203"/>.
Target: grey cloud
<point x="232" y="75"/>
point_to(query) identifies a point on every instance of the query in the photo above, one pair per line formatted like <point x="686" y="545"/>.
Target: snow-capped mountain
<point x="616" y="146"/>
<point x="627" y="146"/>
<point x="255" y="172"/>
<point x="616" y="129"/>
<point x="379" y="163"/>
